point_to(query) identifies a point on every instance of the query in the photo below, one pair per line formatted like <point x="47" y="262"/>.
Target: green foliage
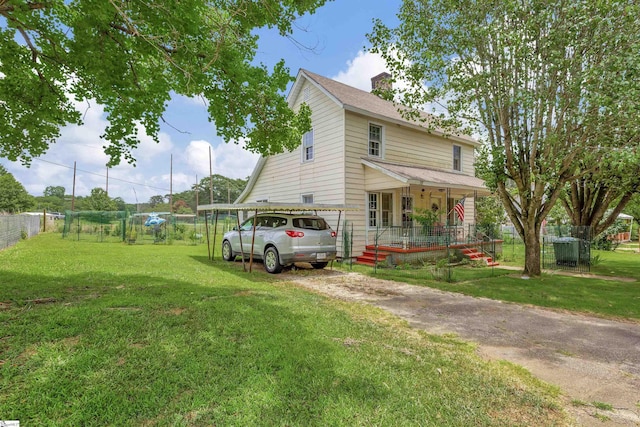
<point x="490" y="215"/>
<point x="346" y="242"/>
<point x="130" y="57"/>
<point x="499" y="67"/>
<point x="155" y="200"/>
<point x="605" y="240"/>
<point x="54" y="191"/>
<point x="99" y="200"/>
<point x="13" y="196"/>
<point x="132" y="235"/>
<point x="425" y="217"/>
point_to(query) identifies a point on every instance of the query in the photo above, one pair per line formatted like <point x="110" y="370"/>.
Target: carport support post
<point x="240" y="237"/>
<point x="253" y="239"/>
<point x="215" y="233"/>
<point x="337" y="230"/>
<point x="206" y="228"/>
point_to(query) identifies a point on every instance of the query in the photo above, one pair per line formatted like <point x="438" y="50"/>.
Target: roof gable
<point x="366" y="103"/>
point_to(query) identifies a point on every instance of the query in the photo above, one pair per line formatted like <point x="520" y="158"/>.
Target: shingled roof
<point x="366" y="103"/>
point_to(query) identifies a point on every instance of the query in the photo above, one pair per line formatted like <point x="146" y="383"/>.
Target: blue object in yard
<point x="154" y="219"/>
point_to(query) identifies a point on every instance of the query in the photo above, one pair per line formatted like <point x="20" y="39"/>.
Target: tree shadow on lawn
<point x="111" y="349"/>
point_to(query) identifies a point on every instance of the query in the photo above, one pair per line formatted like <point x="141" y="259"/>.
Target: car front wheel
<point x="227" y="252"/>
<point x="272" y="261"/>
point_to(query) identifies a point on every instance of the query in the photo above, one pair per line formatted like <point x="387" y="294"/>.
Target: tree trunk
<point x="532" y="253"/>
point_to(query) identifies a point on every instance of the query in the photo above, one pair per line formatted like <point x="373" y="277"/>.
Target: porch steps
<point x="475" y="255"/>
<point x="369" y="258"/>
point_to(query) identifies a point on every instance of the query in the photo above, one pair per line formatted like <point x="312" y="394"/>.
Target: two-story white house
<point x="362" y="152"/>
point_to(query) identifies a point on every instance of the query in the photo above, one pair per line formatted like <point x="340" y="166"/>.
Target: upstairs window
<point x="375" y="140"/>
<point x="457" y="158"/>
<point x="307" y="146"/>
<point x="307" y="198"/>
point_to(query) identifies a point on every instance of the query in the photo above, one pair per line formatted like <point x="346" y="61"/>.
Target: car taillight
<point x="294" y="233"/>
<point x="333" y="234"/>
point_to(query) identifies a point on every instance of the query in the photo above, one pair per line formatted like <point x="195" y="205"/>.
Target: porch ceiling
<point x="418" y="175"/>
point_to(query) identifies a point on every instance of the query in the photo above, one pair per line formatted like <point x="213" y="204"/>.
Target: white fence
<point x="14" y="227"/>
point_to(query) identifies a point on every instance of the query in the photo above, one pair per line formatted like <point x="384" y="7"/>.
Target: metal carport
<point x="256" y="207"/>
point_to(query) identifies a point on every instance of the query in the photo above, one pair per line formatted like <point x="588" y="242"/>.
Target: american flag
<point x="459" y="208"/>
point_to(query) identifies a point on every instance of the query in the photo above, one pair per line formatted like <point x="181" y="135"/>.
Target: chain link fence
<point x="16" y="227"/>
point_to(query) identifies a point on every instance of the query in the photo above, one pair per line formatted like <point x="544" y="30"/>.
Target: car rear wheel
<point x="319" y="265"/>
<point x="227" y="252"/>
<point x="272" y="261"/>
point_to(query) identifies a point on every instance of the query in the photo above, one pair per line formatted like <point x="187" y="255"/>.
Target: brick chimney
<point x="381" y="82"/>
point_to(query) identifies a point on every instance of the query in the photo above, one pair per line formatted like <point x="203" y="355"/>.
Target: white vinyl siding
<point x="284" y="178"/>
<point x="403" y="144"/>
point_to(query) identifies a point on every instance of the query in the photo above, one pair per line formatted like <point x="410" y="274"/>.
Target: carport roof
<point x="276" y="206"/>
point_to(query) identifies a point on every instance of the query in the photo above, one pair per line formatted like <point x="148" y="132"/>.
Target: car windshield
<point x="310" y="223"/>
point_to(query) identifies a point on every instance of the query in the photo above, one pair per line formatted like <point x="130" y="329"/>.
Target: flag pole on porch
<point x="459" y="208"/>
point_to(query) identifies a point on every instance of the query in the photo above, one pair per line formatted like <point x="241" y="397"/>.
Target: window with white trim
<point x="306" y="93"/>
<point x="457" y="158"/>
<point x="373" y="209"/>
<point x="380" y="209"/>
<point x="307" y="146"/>
<point x="375" y="140"/>
<point x="307" y="198"/>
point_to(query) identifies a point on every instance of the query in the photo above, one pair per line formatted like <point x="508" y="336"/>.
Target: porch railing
<point x="420" y="237"/>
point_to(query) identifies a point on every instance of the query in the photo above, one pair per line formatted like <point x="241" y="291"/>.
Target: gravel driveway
<point x="590" y="359"/>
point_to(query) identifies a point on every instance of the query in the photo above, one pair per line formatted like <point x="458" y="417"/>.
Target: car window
<point x="310" y="223"/>
<point x="247" y="225"/>
<point x="279" y="222"/>
<point x="267" y="221"/>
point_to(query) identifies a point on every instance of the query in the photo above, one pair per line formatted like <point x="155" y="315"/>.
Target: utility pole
<point x="73" y="194"/>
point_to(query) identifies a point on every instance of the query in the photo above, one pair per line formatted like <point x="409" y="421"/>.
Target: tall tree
<point x="544" y="82"/>
<point x="596" y="198"/>
<point x="633" y="209"/>
<point x="99" y="200"/>
<point x="130" y="57"/>
<point x="156" y="200"/>
<point x="225" y="190"/>
<point x="13" y="196"/>
<point x="54" y="191"/>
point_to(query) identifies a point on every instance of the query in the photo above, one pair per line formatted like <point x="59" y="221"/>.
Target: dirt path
<point x="590" y="359"/>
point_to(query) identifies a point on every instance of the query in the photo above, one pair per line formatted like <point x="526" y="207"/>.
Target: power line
<point x="104" y="176"/>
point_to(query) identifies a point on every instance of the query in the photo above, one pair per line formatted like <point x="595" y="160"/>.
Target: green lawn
<point x="115" y="334"/>
<point x="588" y="293"/>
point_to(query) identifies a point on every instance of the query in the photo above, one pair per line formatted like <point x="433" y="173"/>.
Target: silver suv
<point x="282" y="239"/>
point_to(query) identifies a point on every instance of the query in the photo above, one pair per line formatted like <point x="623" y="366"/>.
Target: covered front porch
<point x="413" y="209"/>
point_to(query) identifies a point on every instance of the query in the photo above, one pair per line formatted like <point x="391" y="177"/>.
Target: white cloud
<point x="233" y="161"/>
<point x="360" y="70"/>
<point x="196" y="156"/>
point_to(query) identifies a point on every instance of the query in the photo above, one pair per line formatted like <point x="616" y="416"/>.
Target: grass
<point x="606" y="297"/>
<point x="115" y="334"/>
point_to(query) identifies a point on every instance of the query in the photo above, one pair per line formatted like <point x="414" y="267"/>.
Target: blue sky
<point x="337" y="34"/>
